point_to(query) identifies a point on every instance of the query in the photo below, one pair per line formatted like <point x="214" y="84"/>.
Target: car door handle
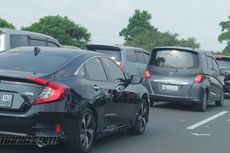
<point x="95" y="87"/>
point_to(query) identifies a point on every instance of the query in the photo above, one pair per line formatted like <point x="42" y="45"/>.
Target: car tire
<point x="141" y="119"/>
<point x="85" y="134"/>
<point x="203" y="106"/>
<point x="221" y="101"/>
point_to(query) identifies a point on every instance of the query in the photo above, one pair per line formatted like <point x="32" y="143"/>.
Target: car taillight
<point x="199" y="78"/>
<point x="53" y="91"/>
<point x="147" y="74"/>
<point x="121" y="65"/>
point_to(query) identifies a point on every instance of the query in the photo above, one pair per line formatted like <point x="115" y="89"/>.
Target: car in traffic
<point x="184" y="75"/>
<point x="72" y="95"/>
<point x="131" y="59"/>
<point x="224" y="63"/>
<point x="10" y="38"/>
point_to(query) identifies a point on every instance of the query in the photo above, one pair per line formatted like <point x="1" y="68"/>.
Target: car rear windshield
<point x="30" y="63"/>
<point x="224" y="63"/>
<point x="178" y="59"/>
<point x="113" y="54"/>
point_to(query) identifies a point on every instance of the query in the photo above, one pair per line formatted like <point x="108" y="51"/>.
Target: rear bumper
<point x="39" y="123"/>
<point x="175" y="99"/>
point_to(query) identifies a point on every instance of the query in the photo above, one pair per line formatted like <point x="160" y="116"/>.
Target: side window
<point x="51" y="44"/>
<point x="81" y="72"/>
<point x="140" y="57"/>
<point x="95" y="70"/>
<point x="131" y="56"/>
<point x="146" y="56"/>
<point x="113" y="69"/>
<point x="210" y="64"/>
<point x="18" y="40"/>
<point x="35" y="42"/>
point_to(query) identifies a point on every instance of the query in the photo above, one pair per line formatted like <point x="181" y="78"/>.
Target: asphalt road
<point x="172" y="129"/>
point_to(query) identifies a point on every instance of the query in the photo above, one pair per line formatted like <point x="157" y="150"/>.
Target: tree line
<point x="138" y="33"/>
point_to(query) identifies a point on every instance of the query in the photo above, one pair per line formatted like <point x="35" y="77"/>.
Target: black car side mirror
<point x="134" y="79"/>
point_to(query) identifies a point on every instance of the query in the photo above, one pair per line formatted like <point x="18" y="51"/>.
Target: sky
<point x="106" y="18"/>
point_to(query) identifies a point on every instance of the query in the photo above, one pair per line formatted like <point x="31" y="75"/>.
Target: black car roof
<point x="56" y="51"/>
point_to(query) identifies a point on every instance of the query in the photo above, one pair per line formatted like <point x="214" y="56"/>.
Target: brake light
<point x="53" y="91"/>
<point x="121" y="65"/>
<point x="199" y="78"/>
<point x="147" y="74"/>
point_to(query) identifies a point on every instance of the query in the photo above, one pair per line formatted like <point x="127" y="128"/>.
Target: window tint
<point x="35" y="42"/>
<point x="113" y="69"/>
<point x="50" y="44"/>
<point x="27" y="62"/>
<point x="146" y="56"/>
<point x="131" y="56"/>
<point x="210" y="64"/>
<point x="18" y="40"/>
<point x="95" y="70"/>
<point x="140" y="57"/>
<point x="175" y="59"/>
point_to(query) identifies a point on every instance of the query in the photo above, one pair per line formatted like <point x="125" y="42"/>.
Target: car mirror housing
<point x="134" y="79"/>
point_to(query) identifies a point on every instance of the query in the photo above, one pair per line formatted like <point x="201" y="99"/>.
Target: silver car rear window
<point x="172" y="58"/>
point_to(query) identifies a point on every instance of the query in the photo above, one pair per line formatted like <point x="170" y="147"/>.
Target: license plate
<point x="6" y="100"/>
<point x="170" y="88"/>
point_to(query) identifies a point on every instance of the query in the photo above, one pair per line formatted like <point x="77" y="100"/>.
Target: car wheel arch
<point x="146" y="97"/>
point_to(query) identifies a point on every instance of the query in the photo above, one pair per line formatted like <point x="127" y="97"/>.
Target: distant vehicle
<point x="132" y="60"/>
<point x="224" y="63"/>
<point x="71" y="95"/>
<point x="184" y="75"/>
<point x="10" y="38"/>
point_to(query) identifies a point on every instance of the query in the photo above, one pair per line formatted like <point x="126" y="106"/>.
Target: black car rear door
<point x="124" y="98"/>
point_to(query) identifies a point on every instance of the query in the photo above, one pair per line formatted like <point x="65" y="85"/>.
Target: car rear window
<point x="113" y="54"/>
<point x="224" y="63"/>
<point x="29" y="63"/>
<point x="178" y="59"/>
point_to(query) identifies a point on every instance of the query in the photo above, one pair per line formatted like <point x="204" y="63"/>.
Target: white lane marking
<point x="206" y="120"/>
<point x="197" y="134"/>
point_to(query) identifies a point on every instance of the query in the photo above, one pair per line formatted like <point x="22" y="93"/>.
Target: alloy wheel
<point x="87" y="130"/>
<point x="142" y="116"/>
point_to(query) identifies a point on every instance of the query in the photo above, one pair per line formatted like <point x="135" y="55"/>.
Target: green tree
<point x="63" y="29"/>
<point x="5" y="24"/>
<point x="138" y="23"/>
<point x="150" y="39"/>
<point x="140" y="33"/>
<point x="225" y="35"/>
<point x="190" y="42"/>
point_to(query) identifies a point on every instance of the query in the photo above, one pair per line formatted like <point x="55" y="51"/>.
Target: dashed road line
<point x="196" y="125"/>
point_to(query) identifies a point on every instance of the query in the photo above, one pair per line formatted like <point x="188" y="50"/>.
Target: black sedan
<point x="56" y="95"/>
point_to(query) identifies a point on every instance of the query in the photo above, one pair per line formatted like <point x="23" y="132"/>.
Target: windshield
<point x="175" y="59"/>
<point x="29" y="63"/>
<point x="114" y="55"/>
<point x="224" y="64"/>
